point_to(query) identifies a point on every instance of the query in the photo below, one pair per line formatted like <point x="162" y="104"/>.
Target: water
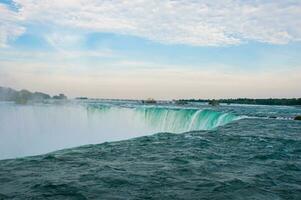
<point x="201" y="152"/>
<point x="40" y="128"/>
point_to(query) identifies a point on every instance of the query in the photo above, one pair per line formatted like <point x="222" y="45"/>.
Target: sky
<point x="164" y="49"/>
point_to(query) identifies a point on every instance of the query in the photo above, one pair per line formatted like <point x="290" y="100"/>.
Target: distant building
<point x="149" y="101"/>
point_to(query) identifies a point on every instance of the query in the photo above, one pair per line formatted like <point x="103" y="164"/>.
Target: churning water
<point x="149" y="152"/>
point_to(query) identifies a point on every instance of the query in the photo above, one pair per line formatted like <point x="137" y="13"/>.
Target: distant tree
<point x="23" y="97"/>
<point x="60" y="96"/>
<point x="269" y="101"/>
<point x="40" y="96"/>
<point x="82" y="98"/>
<point x="180" y="102"/>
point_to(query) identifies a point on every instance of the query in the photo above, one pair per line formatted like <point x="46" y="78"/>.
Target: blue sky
<point x="161" y="49"/>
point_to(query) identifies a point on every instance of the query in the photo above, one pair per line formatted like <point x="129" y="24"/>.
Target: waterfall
<point x="35" y="129"/>
<point x="182" y="120"/>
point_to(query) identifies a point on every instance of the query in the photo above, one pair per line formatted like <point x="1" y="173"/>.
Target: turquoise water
<point x="183" y="120"/>
<point x="133" y="151"/>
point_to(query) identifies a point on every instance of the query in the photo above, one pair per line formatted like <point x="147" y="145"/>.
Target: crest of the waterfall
<point x="160" y="119"/>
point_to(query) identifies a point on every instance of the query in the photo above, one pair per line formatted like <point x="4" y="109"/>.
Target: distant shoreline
<point x="22" y="96"/>
<point x="248" y="101"/>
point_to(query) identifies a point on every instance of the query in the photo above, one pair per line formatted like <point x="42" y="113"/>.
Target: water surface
<point x="227" y="152"/>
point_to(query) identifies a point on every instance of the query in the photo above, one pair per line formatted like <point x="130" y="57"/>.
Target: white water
<point x="37" y="129"/>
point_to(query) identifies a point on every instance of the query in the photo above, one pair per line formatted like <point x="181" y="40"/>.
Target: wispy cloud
<point x="9" y="25"/>
<point x="200" y="23"/>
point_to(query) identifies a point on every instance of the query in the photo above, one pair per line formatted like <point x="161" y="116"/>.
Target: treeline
<point x="270" y="101"/>
<point x="24" y="96"/>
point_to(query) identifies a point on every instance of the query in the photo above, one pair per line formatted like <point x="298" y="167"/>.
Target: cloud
<point x="9" y="25"/>
<point x="191" y="22"/>
<point x="57" y="56"/>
